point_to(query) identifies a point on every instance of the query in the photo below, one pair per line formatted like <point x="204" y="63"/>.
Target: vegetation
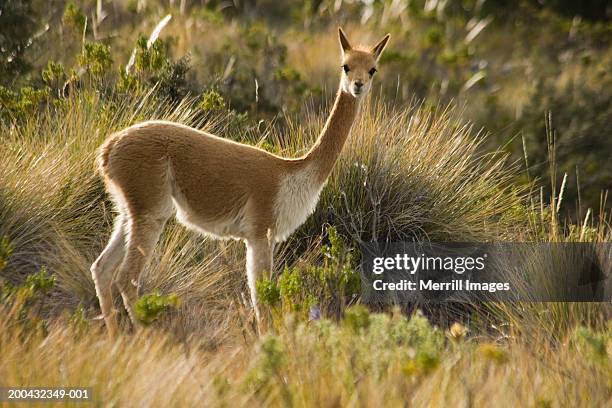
<point x="416" y="167"/>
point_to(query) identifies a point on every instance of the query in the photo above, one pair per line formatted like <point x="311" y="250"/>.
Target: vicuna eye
<point x="346" y="68"/>
<point x="372" y="71"/>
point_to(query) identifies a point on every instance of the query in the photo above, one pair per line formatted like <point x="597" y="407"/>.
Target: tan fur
<point x="216" y="186"/>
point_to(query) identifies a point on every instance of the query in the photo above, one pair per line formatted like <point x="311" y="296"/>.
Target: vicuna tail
<point x="104" y="153"/>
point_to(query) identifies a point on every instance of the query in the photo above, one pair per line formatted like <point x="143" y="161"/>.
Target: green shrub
<point x="149" y="307"/>
<point x="73" y="17"/>
<point x="594" y="345"/>
<point x="152" y="66"/>
<point x="494" y="353"/>
<point x="20" y="105"/>
<point x="40" y="283"/>
<point x="54" y="74"/>
<point x="422" y="364"/>
<point x="331" y="285"/>
<point x="268" y="292"/>
<point x="149" y="58"/>
<point x="357" y="318"/>
<point x="78" y="321"/>
<point x="267" y="363"/>
<point x="96" y="58"/>
<point x="211" y="100"/>
<point x="23" y="306"/>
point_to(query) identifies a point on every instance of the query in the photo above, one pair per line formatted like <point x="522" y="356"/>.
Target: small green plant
<point x="271" y="356"/>
<point x="96" y="58"/>
<point x="73" y="17"/>
<point x="592" y="344"/>
<point x="8" y="98"/>
<point x="149" y="307"/>
<point x="419" y="333"/>
<point x="268" y="292"/>
<point x="152" y="66"/>
<point x="127" y="82"/>
<point x="211" y="100"/>
<point x="339" y="259"/>
<point x="54" y="74"/>
<point x="6" y="250"/>
<point x="336" y="283"/>
<point x="31" y="99"/>
<point x="494" y="353"/>
<point x="291" y="285"/>
<point x="423" y="363"/>
<point x="19" y="105"/>
<point x="40" y="283"/>
<point x="149" y="58"/>
<point x="78" y="321"/>
<point x="357" y="318"/>
<point x="331" y="285"/>
<point x="23" y="305"/>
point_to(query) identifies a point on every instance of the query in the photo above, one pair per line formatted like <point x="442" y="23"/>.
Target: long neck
<point x="327" y="148"/>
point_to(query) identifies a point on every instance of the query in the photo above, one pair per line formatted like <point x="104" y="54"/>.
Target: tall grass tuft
<point x="415" y="174"/>
<point x="556" y="264"/>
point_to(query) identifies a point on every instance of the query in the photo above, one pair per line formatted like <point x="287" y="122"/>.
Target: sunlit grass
<point x="380" y="361"/>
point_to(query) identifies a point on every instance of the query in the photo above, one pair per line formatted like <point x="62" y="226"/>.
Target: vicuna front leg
<point x="259" y="259"/>
<point x="142" y="237"/>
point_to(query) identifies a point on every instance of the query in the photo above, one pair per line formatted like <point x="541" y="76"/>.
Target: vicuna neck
<point x="327" y="148"/>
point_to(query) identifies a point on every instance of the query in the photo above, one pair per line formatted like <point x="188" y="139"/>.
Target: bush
<point x="22" y="307"/>
<point x="330" y="286"/>
<point x="149" y="307"/>
<point x="17" y="106"/>
<point x="74" y="18"/>
<point x="416" y="174"/>
<point x="151" y="66"/>
<point x="594" y="345"/>
<point x="96" y="58"/>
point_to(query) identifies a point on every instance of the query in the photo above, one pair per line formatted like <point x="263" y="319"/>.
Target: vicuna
<point x="216" y="186"/>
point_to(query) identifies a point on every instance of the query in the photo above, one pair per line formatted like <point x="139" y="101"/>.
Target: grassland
<point x="413" y="169"/>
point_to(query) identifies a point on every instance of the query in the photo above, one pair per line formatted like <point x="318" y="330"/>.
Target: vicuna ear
<point x="344" y="42"/>
<point x="378" y="48"/>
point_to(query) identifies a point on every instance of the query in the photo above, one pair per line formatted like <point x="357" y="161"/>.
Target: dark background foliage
<point x="509" y="63"/>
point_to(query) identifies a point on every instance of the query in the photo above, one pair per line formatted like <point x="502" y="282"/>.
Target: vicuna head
<point x="359" y="65"/>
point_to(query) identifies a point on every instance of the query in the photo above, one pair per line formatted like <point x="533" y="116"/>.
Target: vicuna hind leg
<point x="143" y="234"/>
<point x="259" y="259"/>
<point x="102" y="271"/>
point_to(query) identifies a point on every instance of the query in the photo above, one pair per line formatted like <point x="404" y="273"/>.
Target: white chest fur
<point x="297" y="199"/>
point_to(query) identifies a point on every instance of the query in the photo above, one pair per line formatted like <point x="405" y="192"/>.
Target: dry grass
<point x="315" y="364"/>
<point x="420" y="173"/>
